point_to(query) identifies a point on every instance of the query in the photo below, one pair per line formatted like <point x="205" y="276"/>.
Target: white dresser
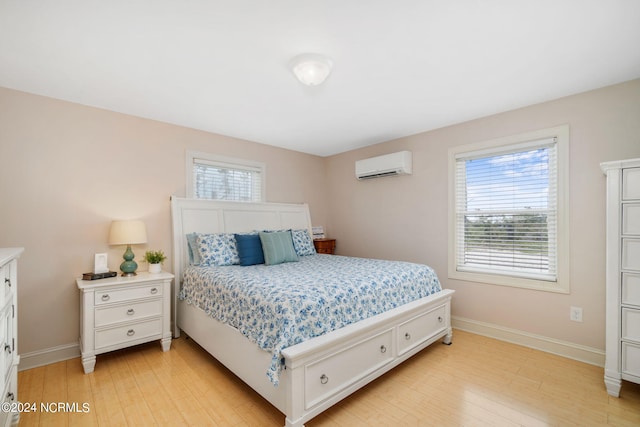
<point x="9" y="358"/>
<point x="120" y="312"/>
<point x="623" y="274"/>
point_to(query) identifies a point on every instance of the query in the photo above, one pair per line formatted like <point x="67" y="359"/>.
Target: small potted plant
<point x="155" y="259"/>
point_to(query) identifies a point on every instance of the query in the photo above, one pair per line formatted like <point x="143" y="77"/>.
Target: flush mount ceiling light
<point x="311" y="68"/>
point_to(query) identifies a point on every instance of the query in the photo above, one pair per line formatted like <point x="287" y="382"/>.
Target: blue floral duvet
<point x="278" y="306"/>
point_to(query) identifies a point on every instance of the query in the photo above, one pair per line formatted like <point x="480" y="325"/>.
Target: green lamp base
<point x="129" y="266"/>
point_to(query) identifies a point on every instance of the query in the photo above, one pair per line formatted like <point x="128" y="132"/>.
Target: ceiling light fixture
<point x="311" y="68"/>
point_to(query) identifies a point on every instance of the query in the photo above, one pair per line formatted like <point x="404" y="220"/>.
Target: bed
<point x="301" y="378"/>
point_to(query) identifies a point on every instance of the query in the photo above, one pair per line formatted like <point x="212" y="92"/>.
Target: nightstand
<point x="119" y="312"/>
<point x="325" y="246"/>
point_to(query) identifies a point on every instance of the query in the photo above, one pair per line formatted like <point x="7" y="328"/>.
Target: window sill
<point x="561" y="286"/>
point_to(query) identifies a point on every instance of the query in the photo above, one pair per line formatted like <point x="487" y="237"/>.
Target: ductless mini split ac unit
<point x="388" y="165"/>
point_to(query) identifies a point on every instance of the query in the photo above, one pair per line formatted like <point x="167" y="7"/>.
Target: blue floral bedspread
<point x="278" y="306"/>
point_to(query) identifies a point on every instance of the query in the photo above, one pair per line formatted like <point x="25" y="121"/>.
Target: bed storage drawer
<point x="123" y="335"/>
<point x="335" y="372"/>
<point x="419" y="329"/>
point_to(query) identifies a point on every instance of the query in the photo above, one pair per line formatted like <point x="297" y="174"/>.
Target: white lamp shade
<point x="127" y="233"/>
<point x="311" y="68"/>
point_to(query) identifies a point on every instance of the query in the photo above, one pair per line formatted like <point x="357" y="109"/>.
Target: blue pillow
<point x="249" y="249"/>
<point x="278" y="247"/>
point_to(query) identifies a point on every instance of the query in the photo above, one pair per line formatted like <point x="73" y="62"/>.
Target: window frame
<point x="493" y="147"/>
<point x="224" y="162"/>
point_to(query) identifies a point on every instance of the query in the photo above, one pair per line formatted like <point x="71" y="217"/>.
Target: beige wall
<point x="406" y="217"/>
<point x="67" y="170"/>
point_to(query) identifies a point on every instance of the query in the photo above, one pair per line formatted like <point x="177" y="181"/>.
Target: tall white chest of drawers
<point x="123" y="311"/>
<point x="623" y="274"/>
<point x="9" y="358"/>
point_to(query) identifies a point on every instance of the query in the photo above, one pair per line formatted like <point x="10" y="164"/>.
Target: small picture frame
<point x="100" y="264"/>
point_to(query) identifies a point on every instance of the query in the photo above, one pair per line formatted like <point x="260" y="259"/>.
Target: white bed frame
<point x="318" y="372"/>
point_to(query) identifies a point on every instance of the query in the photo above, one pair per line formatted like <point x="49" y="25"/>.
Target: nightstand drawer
<point x="122" y="313"/>
<point x="124" y="334"/>
<point x="325" y="246"/>
<point x="119" y="295"/>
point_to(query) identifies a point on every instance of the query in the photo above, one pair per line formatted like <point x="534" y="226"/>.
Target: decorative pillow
<point x="249" y="249"/>
<point x="302" y="242"/>
<point x="192" y="246"/>
<point x="278" y="247"/>
<point x="217" y="249"/>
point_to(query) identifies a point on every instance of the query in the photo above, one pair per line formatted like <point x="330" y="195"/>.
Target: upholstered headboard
<point x="208" y="216"/>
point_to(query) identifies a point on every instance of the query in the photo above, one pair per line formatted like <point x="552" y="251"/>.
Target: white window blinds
<point x="220" y="180"/>
<point x="507" y="210"/>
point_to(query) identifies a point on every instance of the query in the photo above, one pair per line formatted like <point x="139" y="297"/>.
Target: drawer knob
<point x="383" y="349"/>
<point x="154" y="291"/>
<point x="11" y="396"/>
<point x="440" y="319"/>
<point x="7" y="281"/>
<point x="131" y="332"/>
<point x="324" y="379"/>
<point x="7" y="348"/>
<point x="407" y="336"/>
<point x="130" y="312"/>
<point x="105" y="297"/>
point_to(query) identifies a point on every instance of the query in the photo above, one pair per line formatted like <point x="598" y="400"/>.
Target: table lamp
<point x="128" y="233"/>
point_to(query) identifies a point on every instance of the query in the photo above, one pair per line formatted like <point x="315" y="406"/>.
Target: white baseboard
<point x="592" y="356"/>
<point x="47" y="356"/>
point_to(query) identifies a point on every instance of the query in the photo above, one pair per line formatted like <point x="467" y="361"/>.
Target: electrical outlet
<point x="575" y="314"/>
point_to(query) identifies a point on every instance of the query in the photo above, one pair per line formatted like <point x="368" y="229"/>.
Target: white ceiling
<point x="400" y="66"/>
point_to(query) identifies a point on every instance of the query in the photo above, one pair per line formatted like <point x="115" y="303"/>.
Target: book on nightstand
<point x="96" y="276"/>
<point x="318" y="232"/>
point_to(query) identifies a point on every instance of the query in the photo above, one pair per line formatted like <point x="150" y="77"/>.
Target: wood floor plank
<point x="477" y="381"/>
<point x="54" y="391"/>
<point x="30" y="386"/>
<point x="161" y="404"/>
<point x="80" y="396"/>
<point x="170" y="369"/>
<point x="107" y="408"/>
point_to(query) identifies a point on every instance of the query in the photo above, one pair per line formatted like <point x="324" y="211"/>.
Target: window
<point x="508" y="223"/>
<point x="224" y="178"/>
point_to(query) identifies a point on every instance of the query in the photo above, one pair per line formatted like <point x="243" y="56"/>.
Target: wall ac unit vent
<point x="388" y="165"/>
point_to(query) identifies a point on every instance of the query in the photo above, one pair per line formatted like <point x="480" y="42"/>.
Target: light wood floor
<point x="476" y="381"/>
